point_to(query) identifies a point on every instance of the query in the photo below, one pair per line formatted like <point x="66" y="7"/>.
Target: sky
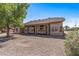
<point x="70" y="11"/>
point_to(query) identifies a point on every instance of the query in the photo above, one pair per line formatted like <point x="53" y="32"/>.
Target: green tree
<point x="66" y="27"/>
<point x="12" y="15"/>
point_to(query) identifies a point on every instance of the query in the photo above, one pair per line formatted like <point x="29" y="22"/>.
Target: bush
<point x="72" y="43"/>
<point x="22" y="27"/>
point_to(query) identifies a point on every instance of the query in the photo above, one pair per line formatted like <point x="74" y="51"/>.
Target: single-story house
<point x="49" y="26"/>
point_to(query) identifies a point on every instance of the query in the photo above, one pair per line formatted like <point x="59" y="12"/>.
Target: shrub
<point x="72" y="43"/>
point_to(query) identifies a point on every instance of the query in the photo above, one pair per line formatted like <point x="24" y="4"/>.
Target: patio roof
<point x="48" y="20"/>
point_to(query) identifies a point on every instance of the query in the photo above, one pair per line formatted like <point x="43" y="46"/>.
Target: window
<point x="54" y="28"/>
<point x="41" y="27"/>
<point x="60" y="28"/>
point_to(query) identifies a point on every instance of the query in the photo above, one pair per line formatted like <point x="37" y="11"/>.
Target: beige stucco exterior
<point x="58" y="27"/>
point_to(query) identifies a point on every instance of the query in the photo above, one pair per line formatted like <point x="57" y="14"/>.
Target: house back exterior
<point x="49" y="26"/>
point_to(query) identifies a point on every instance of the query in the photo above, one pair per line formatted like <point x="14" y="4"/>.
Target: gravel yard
<point x="32" y="46"/>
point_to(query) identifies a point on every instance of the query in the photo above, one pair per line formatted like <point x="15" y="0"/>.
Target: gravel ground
<point x="32" y="46"/>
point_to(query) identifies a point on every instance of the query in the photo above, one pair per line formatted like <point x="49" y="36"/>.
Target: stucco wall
<point x="55" y="29"/>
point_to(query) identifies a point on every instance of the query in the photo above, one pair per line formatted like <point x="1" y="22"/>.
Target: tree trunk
<point x="8" y="30"/>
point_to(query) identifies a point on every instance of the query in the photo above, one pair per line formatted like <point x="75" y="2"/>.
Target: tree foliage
<point x="66" y="27"/>
<point x="12" y="14"/>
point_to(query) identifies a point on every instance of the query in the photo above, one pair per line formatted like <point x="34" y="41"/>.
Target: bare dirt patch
<point x="26" y="45"/>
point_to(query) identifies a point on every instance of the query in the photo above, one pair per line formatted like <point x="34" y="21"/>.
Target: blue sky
<point x="70" y="11"/>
